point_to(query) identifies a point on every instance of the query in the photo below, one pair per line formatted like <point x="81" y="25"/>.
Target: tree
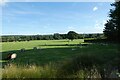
<point x="72" y="35"/>
<point x="64" y="36"/>
<point x="57" y="36"/>
<point x="112" y="27"/>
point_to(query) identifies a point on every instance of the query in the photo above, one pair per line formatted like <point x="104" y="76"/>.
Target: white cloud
<point x="3" y="2"/>
<point x="99" y="25"/>
<point x="28" y="12"/>
<point x="95" y="8"/>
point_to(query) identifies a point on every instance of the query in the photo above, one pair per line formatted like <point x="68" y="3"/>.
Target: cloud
<point x="28" y="12"/>
<point x="95" y="8"/>
<point x="99" y="25"/>
<point x="3" y="2"/>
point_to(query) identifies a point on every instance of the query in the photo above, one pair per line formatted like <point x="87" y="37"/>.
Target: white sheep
<point x="13" y="56"/>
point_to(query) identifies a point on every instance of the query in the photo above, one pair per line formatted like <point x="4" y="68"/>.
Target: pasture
<point x="62" y="58"/>
<point x="47" y="50"/>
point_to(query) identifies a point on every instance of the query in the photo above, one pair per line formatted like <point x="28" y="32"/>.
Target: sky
<point x="32" y="18"/>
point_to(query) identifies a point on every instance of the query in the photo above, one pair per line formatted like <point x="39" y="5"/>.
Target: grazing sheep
<point x="11" y="56"/>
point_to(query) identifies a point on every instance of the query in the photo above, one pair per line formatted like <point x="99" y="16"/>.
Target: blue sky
<point x="30" y="18"/>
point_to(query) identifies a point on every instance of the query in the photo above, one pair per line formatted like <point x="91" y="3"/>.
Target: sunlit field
<point x="8" y="46"/>
<point x="61" y="58"/>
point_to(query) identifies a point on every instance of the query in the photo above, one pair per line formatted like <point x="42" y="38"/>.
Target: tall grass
<point x="89" y="66"/>
<point x="76" y="68"/>
<point x="29" y="71"/>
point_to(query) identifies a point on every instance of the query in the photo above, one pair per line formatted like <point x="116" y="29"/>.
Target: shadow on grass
<point x="42" y="56"/>
<point x="70" y="45"/>
<point x="71" y="61"/>
<point x="59" y="45"/>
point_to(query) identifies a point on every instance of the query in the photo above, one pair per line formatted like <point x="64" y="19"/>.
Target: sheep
<point x="11" y="56"/>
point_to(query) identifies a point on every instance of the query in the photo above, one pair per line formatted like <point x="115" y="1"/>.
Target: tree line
<point x="71" y="35"/>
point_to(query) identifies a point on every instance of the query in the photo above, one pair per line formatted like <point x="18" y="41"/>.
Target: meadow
<point x="47" y="50"/>
<point x="61" y="59"/>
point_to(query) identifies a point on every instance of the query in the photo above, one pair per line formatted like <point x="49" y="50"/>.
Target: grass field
<point x="61" y="58"/>
<point x="51" y="50"/>
<point x="8" y="46"/>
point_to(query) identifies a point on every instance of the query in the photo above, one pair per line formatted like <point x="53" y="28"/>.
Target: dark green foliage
<point x="112" y="29"/>
<point x="72" y="35"/>
<point x="96" y="40"/>
<point x="57" y="36"/>
<point x="64" y="36"/>
<point x="47" y="37"/>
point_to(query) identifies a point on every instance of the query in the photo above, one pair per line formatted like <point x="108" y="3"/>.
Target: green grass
<point x="33" y="71"/>
<point x="69" y="58"/>
<point x="8" y="46"/>
<point x="52" y="51"/>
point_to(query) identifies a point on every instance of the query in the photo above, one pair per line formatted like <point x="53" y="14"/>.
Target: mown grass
<point x="70" y="61"/>
<point x="49" y="51"/>
<point x="9" y="46"/>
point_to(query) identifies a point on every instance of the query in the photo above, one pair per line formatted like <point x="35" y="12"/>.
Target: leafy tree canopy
<point x="112" y="27"/>
<point x="72" y="35"/>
